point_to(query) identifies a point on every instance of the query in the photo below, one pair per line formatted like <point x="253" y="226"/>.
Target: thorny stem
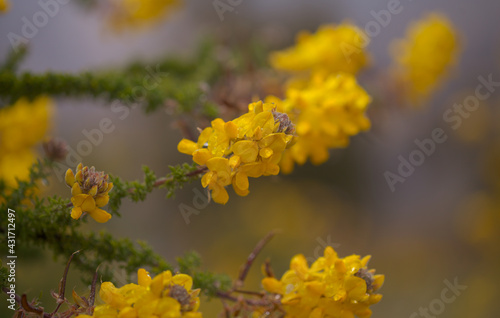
<point x="251" y="258"/>
<point x="62" y="284"/>
<point x="162" y="181"/>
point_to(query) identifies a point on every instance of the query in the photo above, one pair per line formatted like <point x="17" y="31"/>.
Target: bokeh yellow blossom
<point x="89" y="192"/>
<point x="424" y="57"/>
<point x="22" y="126"/>
<point x="331" y="49"/>
<point x="129" y="13"/>
<point x="326" y="110"/>
<point x="249" y="146"/>
<point x="4" y="5"/>
<point x="332" y="287"/>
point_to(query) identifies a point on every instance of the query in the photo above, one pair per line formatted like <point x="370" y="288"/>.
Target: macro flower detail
<point x="331" y="49"/>
<point x="166" y="295"/>
<point x="326" y="110"/>
<point x="22" y="126"/>
<point x="331" y="287"/>
<point x="425" y="55"/>
<point x="89" y="192"/>
<point x="249" y="146"/>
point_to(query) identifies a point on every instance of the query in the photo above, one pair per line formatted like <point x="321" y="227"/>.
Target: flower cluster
<point x="127" y="13"/>
<point x="22" y="126"/>
<point x="327" y="110"/>
<point x="89" y="192"/>
<point x="424" y="56"/>
<point x="332" y="287"/>
<point x="331" y="49"/>
<point x="164" y="296"/>
<point x="249" y="146"/>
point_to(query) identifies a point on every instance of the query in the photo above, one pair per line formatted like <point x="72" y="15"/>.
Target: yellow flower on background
<point x="249" y="146"/>
<point x="332" y="287"/>
<point x="89" y="192"/>
<point x="425" y="55"/>
<point x="22" y="126"/>
<point x="165" y="296"/>
<point x="326" y="110"/>
<point x="331" y="49"/>
<point x="126" y="13"/>
<point x="4" y="5"/>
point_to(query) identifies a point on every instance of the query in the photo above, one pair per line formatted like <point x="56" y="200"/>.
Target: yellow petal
<point x="207" y="179"/>
<point x="204" y="136"/>
<point x="127" y="312"/>
<point x="168" y="308"/>
<point x="241" y="181"/>
<point x="143" y="277"/>
<point x="201" y="156"/>
<point x="76" y="213"/>
<point x="220" y="195"/>
<point x="93" y="191"/>
<point x="101" y="200"/>
<point x="187" y="146"/>
<point x="184" y="280"/>
<point x="76" y="190"/>
<point x="85" y="201"/>
<point x="79" y="176"/>
<point x="218" y="164"/>
<point x="234" y="161"/>
<point x="159" y="282"/>
<point x="110" y="187"/>
<point x="70" y="177"/>
<point x="111" y="295"/>
<point x="272" y="285"/>
<point x="231" y="129"/>
<point x="100" y="215"/>
<point x="266" y="152"/>
<point x="79" y="167"/>
<point x="247" y="150"/>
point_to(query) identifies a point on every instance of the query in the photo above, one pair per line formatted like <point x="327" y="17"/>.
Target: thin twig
<point x="62" y="284"/>
<point x="251" y="258"/>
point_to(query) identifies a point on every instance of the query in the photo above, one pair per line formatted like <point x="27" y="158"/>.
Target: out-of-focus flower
<point x="249" y="146"/>
<point x="89" y="192"/>
<point x="327" y="110"/>
<point x="425" y="55"/>
<point x="55" y="149"/>
<point x="22" y="126"/>
<point x="166" y="295"/>
<point x="4" y="5"/>
<point x="331" y="287"/>
<point x="129" y="13"/>
<point x="331" y="49"/>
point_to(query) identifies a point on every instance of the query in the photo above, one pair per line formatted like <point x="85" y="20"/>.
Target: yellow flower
<point x="126" y="13"/>
<point x="4" y="5"/>
<point x="89" y="192"/>
<point x="331" y="287"/>
<point x="331" y="49"/>
<point x="248" y="146"/>
<point x="425" y="55"/>
<point x="326" y="110"/>
<point x="166" y="295"/>
<point x="22" y="126"/>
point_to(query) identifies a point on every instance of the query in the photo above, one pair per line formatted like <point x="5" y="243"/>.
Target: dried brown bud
<point x="286" y="126"/>
<point x="56" y="149"/>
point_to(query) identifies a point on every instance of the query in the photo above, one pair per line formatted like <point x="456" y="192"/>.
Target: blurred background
<point x="441" y="224"/>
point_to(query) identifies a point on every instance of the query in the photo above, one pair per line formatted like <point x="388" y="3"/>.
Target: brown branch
<point x="62" y="284"/>
<point x="251" y="258"/>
